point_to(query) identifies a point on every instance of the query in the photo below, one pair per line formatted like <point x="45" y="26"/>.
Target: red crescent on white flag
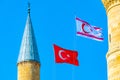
<point x="83" y="25"/>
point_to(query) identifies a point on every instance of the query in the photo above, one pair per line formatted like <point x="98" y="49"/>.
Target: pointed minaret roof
<point x="28" y="51"/>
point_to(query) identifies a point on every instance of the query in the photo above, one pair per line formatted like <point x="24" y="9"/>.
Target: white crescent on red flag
<point x="65" y="56"/>
<point x="87" y="30"/>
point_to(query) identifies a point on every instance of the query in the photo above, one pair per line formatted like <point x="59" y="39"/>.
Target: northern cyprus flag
<point x="86" y="30"/>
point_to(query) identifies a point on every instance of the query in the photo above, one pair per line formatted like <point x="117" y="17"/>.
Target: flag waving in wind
<point x="65" y="56"/>
<point x="87" y="30"/>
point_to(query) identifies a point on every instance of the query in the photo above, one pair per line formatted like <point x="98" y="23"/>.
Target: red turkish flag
<point x="65" y="56"/>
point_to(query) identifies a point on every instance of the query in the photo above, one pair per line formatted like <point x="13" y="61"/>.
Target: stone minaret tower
<point x="28" y="61"/>
<point x="113" y="55"/>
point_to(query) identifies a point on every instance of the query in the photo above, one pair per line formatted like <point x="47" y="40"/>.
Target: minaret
<point x="113" y="56"/>
<point x="28" y="61"/>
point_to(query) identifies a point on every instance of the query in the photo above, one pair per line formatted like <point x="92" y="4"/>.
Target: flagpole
<point x="74" y="46"/>
<point x="54" y="67"/>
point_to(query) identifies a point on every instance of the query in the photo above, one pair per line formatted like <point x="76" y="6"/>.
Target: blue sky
<point x="54" y="23"/>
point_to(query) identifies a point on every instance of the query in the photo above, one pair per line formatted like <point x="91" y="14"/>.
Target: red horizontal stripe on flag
<point x="88" y="35"/>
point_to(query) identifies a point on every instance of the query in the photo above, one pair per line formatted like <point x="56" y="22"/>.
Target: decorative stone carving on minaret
<point x="28" y="60"/>
<point x="113" y="56"/>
